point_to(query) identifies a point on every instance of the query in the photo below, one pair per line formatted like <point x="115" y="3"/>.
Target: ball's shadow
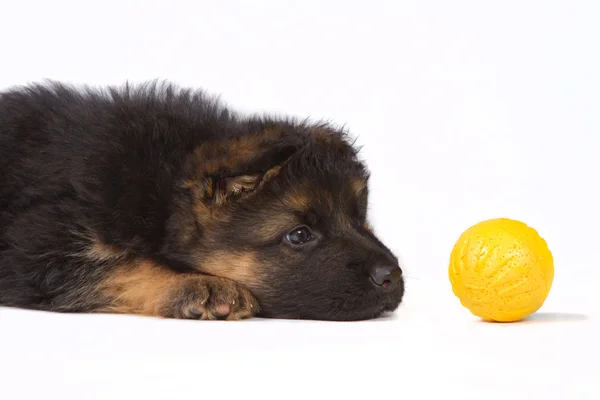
<point x="545" y="317"/>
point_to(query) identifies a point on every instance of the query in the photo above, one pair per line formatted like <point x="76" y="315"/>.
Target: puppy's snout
<point x="385" y="274"/>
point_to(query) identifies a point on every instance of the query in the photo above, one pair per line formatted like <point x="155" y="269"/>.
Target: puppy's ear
<point x="221" y="189"/>
<point x="228" y="170"/>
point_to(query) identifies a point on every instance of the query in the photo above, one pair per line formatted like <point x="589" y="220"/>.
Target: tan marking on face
<point x="297" y="201"/>
<point x="241" y="266"/>
<point x="368" y="227"/>
<point x="276" y="226"/>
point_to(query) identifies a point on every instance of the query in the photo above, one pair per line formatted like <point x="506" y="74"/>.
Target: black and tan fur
<point x="159" y="201"/>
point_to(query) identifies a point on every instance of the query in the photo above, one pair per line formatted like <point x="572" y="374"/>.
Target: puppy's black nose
<point x="385" y="274"/>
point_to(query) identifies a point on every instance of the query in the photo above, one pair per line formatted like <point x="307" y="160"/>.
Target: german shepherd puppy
<point x="160" y="201"/>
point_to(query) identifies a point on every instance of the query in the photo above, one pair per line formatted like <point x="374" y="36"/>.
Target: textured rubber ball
<point x="501" y="270"/>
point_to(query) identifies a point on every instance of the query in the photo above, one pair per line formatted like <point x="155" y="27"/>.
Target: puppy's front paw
<point x="210" y="297"/>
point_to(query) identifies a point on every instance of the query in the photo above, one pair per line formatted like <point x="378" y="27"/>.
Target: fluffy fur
<point x="156" y="200"/>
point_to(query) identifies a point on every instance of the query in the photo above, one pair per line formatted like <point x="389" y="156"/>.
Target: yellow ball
<point x="501" y="270"/>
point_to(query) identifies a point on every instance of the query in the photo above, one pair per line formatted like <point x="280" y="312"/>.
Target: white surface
<point x="466" y="110"/>
<point x="431" y="348"/>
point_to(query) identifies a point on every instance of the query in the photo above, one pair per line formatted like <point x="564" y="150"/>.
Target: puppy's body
<point x="159" y="201"/>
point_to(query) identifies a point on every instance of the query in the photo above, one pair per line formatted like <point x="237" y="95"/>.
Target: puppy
<point x="160" y="201"/>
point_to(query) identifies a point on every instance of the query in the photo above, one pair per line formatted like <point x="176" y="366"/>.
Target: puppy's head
<point x="284" y="212"/>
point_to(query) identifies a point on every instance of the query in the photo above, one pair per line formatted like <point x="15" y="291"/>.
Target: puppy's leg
<point x="47" y="262"/>
<point x="145" y="288"/>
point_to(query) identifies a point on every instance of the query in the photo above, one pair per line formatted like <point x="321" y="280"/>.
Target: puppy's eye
<point x="299" y="235"/>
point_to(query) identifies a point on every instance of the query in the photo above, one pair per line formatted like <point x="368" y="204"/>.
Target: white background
<point x="467" y="110"/>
